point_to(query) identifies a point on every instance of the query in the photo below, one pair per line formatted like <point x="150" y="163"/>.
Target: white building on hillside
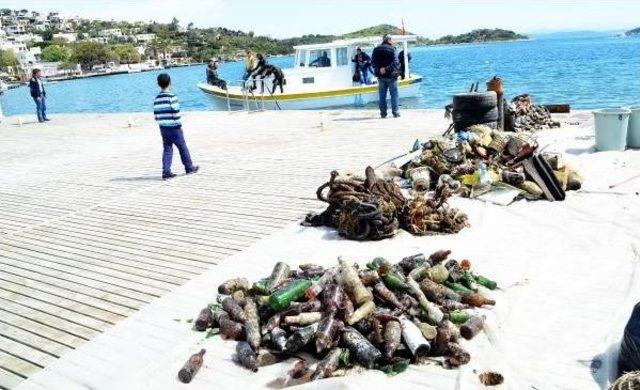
<point x="111" y="33"/>
<point x="70" y="37"/>
<point x="15" y="29"/>
<point x="144" y="38"/>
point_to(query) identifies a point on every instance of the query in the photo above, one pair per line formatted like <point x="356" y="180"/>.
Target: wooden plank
<point x="37" y="242"/>
<point x="120" y="296"/>
<point x="33" y="242"/>
<point x="9" y="379"/>
<point x="41" y="330"/>
<point x="32" y="340"/>
<point x="70" y="311"/>
<point x="101" y="308"/>
<point x="86" y="271"/>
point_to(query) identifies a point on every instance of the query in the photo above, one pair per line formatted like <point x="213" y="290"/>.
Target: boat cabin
<point x="328" y="66"/>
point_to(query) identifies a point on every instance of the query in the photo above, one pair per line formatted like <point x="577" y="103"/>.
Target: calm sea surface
<point x="588" y="72"/>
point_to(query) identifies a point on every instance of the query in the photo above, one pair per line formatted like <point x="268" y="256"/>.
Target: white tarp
<point x="567" y="272"/>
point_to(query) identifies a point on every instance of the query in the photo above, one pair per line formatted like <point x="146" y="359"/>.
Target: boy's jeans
<point x="392" y="86"/>
<point x="175" y="137"/>
<point x="41" y="108"/>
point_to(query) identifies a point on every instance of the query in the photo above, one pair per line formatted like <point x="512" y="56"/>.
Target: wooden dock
<point x="89" y="234"/>
<point x="102" y="264"/>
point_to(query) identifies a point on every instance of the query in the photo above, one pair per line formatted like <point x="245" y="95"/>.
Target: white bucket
<point x="611" y="126"/>
<point x="633" y="133"/>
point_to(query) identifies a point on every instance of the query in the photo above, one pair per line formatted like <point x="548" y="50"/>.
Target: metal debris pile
<point x="481" y="162"/>
<point x="369" y="208"/>
<point x="523" y="115"/>
<point x="333" y="320"/>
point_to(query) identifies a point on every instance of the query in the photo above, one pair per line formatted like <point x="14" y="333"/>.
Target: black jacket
<point x="384" y="56"/>
<point x="34" y="88"/>
<point x="363" y="60"/>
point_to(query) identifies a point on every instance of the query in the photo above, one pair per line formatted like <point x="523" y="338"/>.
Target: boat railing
<point x="253" y="93"/>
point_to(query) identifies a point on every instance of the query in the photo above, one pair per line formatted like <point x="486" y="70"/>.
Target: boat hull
<point x="356" y="97"/>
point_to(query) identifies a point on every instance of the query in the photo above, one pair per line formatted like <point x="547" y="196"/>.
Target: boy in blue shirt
<point x="166" y="110"/>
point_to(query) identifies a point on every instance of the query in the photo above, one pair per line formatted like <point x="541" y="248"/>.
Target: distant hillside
<point x="475" y="36"/>
<point x="479" y="36"/>
<point x="372" y="31"/>
<point x="635" y="31"/>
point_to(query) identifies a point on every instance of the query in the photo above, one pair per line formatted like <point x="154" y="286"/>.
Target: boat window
<point x="341" y="56"/>
<point x="320" y="58"/>
<point x="308" y="80"/>
<point x="299" y="61"/>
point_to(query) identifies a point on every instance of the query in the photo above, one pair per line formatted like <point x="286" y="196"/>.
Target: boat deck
<point x="102" y="263"/>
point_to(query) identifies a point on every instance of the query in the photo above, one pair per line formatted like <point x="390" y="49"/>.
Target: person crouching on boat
<point x="363" y="65"/>
<point x="39" y="95"/>
<point x="386" y="68"/>
<point x="257" y="71"/>
<point x="212" y="75"/>
<point x="278" y="77"/>
<point x="249" y="65"/>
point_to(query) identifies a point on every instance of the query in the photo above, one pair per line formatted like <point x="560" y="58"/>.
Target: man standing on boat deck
<point x="38" y="94"/>
<point x="250" y="65"/>
<point x="363" y="64"/>
<point x="386" y="68"/>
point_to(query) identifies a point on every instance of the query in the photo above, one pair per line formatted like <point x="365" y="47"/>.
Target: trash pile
<point x="369" y="208"/>
<point x="490" y="165"/>
<point x="383" y="316"/>
<point x="523" y="115"/>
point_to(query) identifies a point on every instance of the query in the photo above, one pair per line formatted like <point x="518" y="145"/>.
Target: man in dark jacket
<point x="386" y="68"/>
<point x="363" y="64"/>
<point x="38" y="94"/>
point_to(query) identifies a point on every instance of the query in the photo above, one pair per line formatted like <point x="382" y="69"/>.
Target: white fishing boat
<point x="311" y="86"/>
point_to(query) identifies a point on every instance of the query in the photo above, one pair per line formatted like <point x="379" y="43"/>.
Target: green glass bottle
<point x="394" y="282"/>
<point x="282" y="298"/>
<point x="468" y="281"/>
<point x="486" y="282"/>
<point x="459" y="288"/>
<point x="458" y="317"/>
<point x="261" y="286"/>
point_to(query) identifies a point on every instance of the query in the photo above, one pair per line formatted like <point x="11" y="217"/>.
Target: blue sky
<point x="284" y="18"/>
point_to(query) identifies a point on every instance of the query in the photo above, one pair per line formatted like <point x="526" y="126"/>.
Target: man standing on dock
<point x="38" y="94"/>
<point x="386" y="68"/>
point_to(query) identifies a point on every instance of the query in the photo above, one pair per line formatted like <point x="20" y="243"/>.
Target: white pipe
<point x="406" y="58"/>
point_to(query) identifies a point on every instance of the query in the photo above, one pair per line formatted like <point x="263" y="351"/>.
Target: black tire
<point x="475" y="100"/>
<point x="475" y="116"/>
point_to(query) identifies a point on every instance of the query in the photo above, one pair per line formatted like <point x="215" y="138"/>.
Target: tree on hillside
<point x="9" y="61"/>
<point x="47" y="35"/>
<point x="88" y="54"/>
<point x="127" y="54"/>
<point x="55" y="53"/>
<point x="60" y="41"/>
<point x="159" y="46"/>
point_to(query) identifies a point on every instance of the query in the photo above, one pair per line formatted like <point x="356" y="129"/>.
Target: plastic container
<point x="633" y="133"/>
<point x="611" y="126"/>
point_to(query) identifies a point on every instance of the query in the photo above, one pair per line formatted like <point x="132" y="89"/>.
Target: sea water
<point x="587" y="72"/>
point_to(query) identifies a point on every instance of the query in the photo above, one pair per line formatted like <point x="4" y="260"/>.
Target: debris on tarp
<point x="523" y="115"/>
<point x="383" y="316"/>
<point x="370" y="208"/>
<point x="495" y="166"/>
